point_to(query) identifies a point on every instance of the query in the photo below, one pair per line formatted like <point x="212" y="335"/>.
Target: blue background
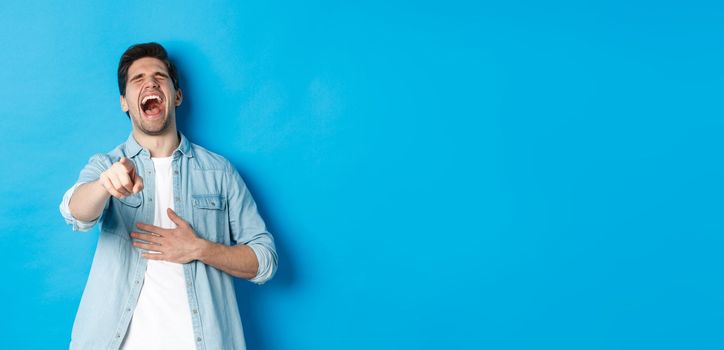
<point x="453" y="175"/>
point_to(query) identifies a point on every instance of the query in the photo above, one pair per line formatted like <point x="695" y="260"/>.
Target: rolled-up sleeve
<point x="247" y="227"/>
<point x="77" y="225"/>
<point x="91" y="172"/>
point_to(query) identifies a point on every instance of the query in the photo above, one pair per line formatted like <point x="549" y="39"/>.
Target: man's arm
<point x="253" y="256"/>
<point x="239" y="260"/>
<point x="182" y="245"/>
<point x="89" y="199"/>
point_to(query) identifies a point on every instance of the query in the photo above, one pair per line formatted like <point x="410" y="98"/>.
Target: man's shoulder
<point x="109" y="157"/>
<point x="208" y="160"/>
<point x="203" y="159"/>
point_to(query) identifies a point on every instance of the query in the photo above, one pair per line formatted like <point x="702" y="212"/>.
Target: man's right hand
<point x="121" y="179"/>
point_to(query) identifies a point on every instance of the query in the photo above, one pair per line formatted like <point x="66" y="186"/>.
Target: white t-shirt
<point x="162" y="319"/>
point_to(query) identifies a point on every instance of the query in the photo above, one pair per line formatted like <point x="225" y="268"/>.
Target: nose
<point x="152" y="82"/>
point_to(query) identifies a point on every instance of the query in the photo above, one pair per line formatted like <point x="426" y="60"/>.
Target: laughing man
<point x="177" y="224"/>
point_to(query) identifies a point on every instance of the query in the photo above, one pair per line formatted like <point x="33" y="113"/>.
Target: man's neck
<point x="159" y="145"/>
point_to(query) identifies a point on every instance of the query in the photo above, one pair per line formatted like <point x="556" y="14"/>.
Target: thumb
<point x="137" y="184"/>
<point x="175" y="218"/>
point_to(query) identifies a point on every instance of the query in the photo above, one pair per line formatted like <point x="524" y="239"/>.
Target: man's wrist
<point x="99" y="188"/>
<point x="203" y="248"/>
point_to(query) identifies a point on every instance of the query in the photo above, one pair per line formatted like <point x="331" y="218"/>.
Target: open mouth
<point x="152" y="105"/>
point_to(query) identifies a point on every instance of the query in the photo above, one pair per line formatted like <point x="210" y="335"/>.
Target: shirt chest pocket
<point x="209" y="216"/>
<point x="122" y="215"/>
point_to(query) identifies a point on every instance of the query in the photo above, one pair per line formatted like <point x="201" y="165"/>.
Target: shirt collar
<point x="133" y="148"/>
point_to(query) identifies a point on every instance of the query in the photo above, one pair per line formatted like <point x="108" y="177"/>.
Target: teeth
<point x="145" y="99"/>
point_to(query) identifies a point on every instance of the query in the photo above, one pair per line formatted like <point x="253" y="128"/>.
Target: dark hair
<point x="138" y="51"/>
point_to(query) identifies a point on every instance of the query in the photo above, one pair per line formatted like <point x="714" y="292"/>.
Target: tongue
<point x="153" y="108"/>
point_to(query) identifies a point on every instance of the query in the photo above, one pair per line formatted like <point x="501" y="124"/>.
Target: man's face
<point x="150" y="98"/>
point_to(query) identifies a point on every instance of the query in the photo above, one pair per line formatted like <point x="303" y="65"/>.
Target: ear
<point x="124" y="104"/>
<point x="179" y="97"/>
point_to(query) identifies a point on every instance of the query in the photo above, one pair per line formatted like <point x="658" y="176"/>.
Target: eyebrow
<point x="140" y="75"/>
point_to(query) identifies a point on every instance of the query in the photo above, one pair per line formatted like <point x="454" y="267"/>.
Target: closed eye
<point x="136" y="77"/>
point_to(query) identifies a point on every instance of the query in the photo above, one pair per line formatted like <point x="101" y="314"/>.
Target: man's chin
<point x="154" y="129"/>
<point x="153" y="126"/>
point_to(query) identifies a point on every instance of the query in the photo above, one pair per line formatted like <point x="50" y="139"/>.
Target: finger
<point x="175" y="218"/>
<point x="117" y="184"/>
<point x="146" y="246"/>
<point x="125" y="181"/>
<point x="152" y="228"/>
<point x="152" y="256"/>
<point x="106" y="183"/>
<point x="115" y="193"/>
<point x="148" y="237"/>
<point x="127" y="164"/>
<point x="138" y="184"/>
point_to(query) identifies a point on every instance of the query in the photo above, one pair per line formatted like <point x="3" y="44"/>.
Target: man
<point x="177" y="222"/>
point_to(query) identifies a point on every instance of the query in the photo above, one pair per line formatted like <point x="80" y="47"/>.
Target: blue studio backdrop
<point x="437" y="175"/>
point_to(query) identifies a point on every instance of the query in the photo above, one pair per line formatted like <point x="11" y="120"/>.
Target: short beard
<point x="161" y="131"/>
<point x="151" y="132"/>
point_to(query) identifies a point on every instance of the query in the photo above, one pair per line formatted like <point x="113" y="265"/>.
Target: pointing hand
<point x="121" y="179"/>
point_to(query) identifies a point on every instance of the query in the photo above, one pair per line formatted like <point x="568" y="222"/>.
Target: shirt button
<point x="150" y="199"/>
<point x="212" y="203"/>
<point x="136" y="281"/>
<point x="128" y="309"/>
<point x="198" y="339"/>
<point x="195" y="311"/>
<point x="118" y="335"/>
<point x="177" y="199"/>
<point x="175" y="172"/>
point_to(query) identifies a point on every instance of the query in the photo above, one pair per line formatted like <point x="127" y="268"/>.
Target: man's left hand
<point x="180" y="245"/>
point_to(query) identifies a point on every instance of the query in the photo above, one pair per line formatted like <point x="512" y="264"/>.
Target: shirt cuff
<point x="78" y="225"/>
<point x="267" y="264"/>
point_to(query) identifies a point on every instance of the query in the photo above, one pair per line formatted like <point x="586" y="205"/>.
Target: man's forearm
<point x="239" y="260"/>
<point x="88" y="201"/>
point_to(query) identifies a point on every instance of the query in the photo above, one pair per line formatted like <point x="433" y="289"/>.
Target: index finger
<point x="127" y="163"/>
<point x="151" y="228"/>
